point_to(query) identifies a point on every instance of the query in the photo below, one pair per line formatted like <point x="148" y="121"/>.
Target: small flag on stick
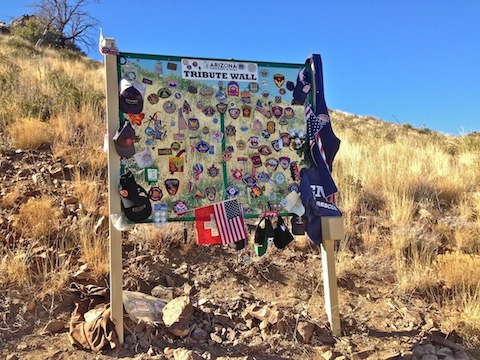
<point x="220" y="223"/>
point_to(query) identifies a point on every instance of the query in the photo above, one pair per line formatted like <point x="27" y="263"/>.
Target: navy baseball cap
<point x="124" y="140"/>
<point x="131" y="96"/>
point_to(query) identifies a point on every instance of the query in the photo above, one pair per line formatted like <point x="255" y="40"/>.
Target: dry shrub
<point x="46" y="269"/>
<point x="93" y="244"/>
<point x="467" y="238"/>
<point x="460" y="274"/>
<point x="28" y="133"/>
<point x="149" y="237"/>
<point x="10" y="197"/>
<point x="402" y="208"/>
<point x="459" y="271"/>
<point x="52" y="270"/>
<point x="94" y="251"/>
<point x="91" y="193"/>
<point x="38" y="217"/>
<point x="14" y="269"/>
<point x="81" y="129"/>
<point x="414" y="251"/>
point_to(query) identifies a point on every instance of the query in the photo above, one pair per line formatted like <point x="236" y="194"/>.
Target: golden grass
<point x="90" y="190"/>
<point x="38" y="218"/>
<point x="425" y="190"/>
<point x="28" y="133"/>
<point x="94" y="251"/>
<point x="459" y="271"/>
<point x="14" y="269"/>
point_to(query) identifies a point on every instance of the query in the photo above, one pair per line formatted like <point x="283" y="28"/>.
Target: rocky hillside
<point x="407" y="269"/>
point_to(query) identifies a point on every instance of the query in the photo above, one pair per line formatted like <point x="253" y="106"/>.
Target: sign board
<point x="207" y="130"/>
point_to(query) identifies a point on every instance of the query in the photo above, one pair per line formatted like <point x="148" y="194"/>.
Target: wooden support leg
<point x="330" y="285"/>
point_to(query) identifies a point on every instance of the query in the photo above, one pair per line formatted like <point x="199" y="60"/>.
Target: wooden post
<point x="116" y="270"/>
<point x="332" y="229"/>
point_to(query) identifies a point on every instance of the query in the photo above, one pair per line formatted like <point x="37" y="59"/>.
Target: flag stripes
<point x="314" y="125"/>
<point x="229" y="221"/>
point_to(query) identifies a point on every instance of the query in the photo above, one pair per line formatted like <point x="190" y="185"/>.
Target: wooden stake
<point x="116" y="271"/>
<point x="332" y="229"/>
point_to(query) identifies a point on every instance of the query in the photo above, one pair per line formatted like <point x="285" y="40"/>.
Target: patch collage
<point x="193" y="132"/>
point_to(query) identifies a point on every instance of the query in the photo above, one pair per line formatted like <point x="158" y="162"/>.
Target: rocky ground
<point x="221" y="303"/>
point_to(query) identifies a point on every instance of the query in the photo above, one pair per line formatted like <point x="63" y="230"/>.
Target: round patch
<point x="155" y="193"/>
<point x="180" y="207"/>
<point x="153" y="99"/>
<point x="264" y="150"/>
<point x="226" y="155"/>
<point x="216" y="136"/>
<point x="193" y="124"/>
<point x="263" y="177"/>
<point x="241" y="145"/>
<point x="230" y="130"/>
<point x="169" y="107"/>
<point x="279" y="178"/>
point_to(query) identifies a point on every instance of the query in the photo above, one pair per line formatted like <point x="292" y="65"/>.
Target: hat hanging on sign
<point x="124" y="140"/>
<point x="135" y="202"/>
<point x="298" y="225"/>
<point x="131" y="96"/>
<point x="282" y="235"/>
<point x="262" y="234"/>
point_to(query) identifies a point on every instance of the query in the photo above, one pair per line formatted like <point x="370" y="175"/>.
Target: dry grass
<point x="38" y="218"/>
<point x="94" y="251"/>
<point x="14" y="269"/>
<point x="90" y="190"/>
<point x="29" y="133"/>
<point x="407" y="195"/>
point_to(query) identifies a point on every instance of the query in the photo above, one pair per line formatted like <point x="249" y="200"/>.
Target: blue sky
<point x="409" y="61"/>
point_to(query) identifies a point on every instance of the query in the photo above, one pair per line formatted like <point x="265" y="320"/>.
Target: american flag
<point x="314" y="125"/>
<point x="230" y="222"/>
<point x="221" y="223"/>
